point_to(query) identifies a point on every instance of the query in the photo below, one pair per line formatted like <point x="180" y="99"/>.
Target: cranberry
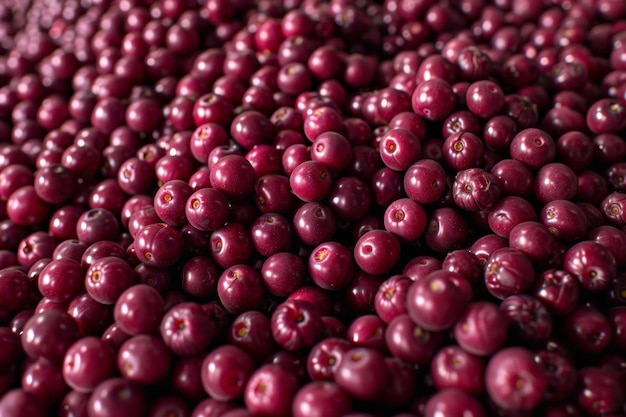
<point x="446" y="230"/>
<point x="605" y="116"/>
<point x="475" y="190"/>
<point x="454" y="402"/>
<point x="529" y="317"/>
<point x="592" y="263"/>
<point x="119" y="396"/>
<point x="411" y="342"/>
<point x="599" y="391"/>
<point x="377" y="251"/>
<point x="230" y="245"/>
<point x="514" y="381"/>
<point x="562" y="217"/>
<point x="206" y="209"/>
<point x="534" y="147"/>
<point x="356" y="363"/>
<point x="463" y="150"/>
<point x="296" y="324"/>
<point x="87" y="363"/>
<point x="471" y="333"/>
<point x="589" y="329"/>
<point x="159" y="244"/>
<point x="49" y="335"/>
<point x="226" y="371"/>
<point x="431" y="291"/>
<point x="240" y="288"/>
<point x="139" y="309"/>
<point x="18" y="401"/>
<point x="321" y="398"/>
<point x="425" y="181"/>
<point x="271" y="389"/>
<point x="452" y="367"/>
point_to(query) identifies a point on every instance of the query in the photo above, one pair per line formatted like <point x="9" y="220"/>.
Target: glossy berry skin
<point x="270" y="390"/>
<point x="97" y="224"/>
<point x="399" y="149"/>
<point x="452" y="367"/>
<point x="561" y="372"/>
<point x="11" y="348"/>
<point x="26" y="208"/>
<point x="283" y="273"/>
<point x="406" y="219"/>
<point x="509" y="212"/>
<point x="169" y="202"/>
<point x="87" y="363"/>
<point x="410" y="342"/>
<point x="144" y="359"/>
<point x="563" y="219"/>
<point x="117" y="396"/>
<point x="533" y="147"/>
<point x="475" y="190"/>
<point x="350" y="198"/>
<point x="482" y="329"/>
<point x="435" y="302"/>
<point x="367" y="331"/>
<point x="357" y="363"/>
<point x="333" y="150"/>
<point x="91" y="316"/>
<point x="513" y="177"/>
<point x="240" y="288"/>
<point x="464" y="263"/>
<point x="425" y="181"/>
<point x="555" y="181"/>
<point x="433" y="99"/>
<point x="45" y="380"/>
<point x="612" y="238"/>
<point x="588" y="329"/>
<point x="19" y="402"/>
<point x="377" y="252"/>
<point x="390" y="298"/>
<point x="514" y="381"/>
<point x="107" y="278"/>
<point x="187" y="329"/>
<point x="234" y="176"/>
<point x="271" y="233"/>
<point x="592" y="263"/>
<point x="530" y="319"/>
<point x="207" y="209"/>
<point x="331" y="265"/>
<point x="447" y="229"/>
<point x="484" y="98"/>
<point x="325" y="356"/>
<point x="272" y="194"/>
<point x="139" y="309"/>
<point x="321" y="399"/>
<point x="252" y="332"/>
<point x="296" y="324"/>
<point x="230" y="245"/>
<point x="49" y="334"/>
<point x="60" y="280"/>
<point x="225" y="372"/>
<point x="606" y="116"/>
<point x="453" y="402"/>
<point x="558" y="290"/>
<point x="508" y="272"/>
<point x="599" y="392"/>
<point x="463" y="150"/>
<point x="159" y="244"/>
<point x="311" y="181"/>
<point x="612" y="206"/>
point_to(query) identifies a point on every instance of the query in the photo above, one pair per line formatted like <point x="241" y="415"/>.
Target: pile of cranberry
<point x="307" y="208"/>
